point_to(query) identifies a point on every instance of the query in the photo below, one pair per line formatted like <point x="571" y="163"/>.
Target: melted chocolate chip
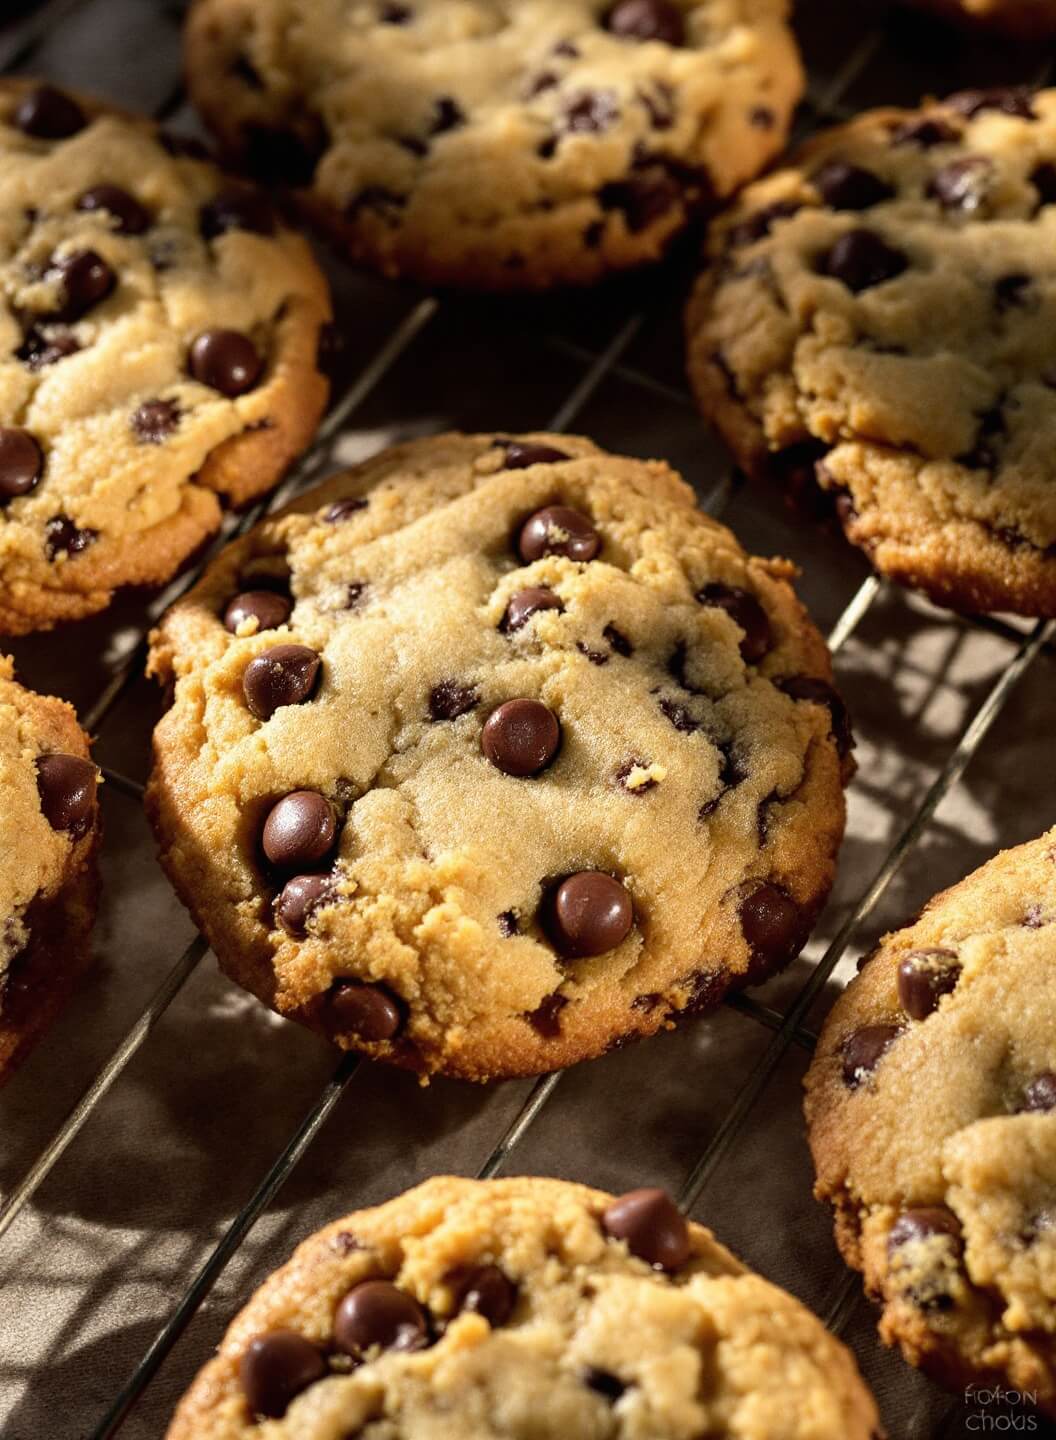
<point x="546" y="1017"/>
<point x="39" y="350"/>
<point x="521" y="737"/>
<point x="818" y="692"/>
<point x="1008" y="100"/>
<point x="1039" y="1095"/>
<point x="525" y="603"/>
<point x="520" y="454"/>
<point x="746" y="612"/>
<point x="21" y="463"/>
<point x="155" y="420"/>
<point x="679" y="716"/>
<point x="963" y="184"/>
<point x="590" y="112"/>
<point x="646" y="20"/>
<point x="483" y="1290"/>
<point x="861" y="259"/>
<point x="130" y="216"/>
<point x="225" y="360"/>
<point x="342" y="509"/>
<point x="66" y="785"/>
<point x="300" y="830"/>
<point x="266" y="607"/>
<point x="773" y="927"/>
<point x="299" y="899"/>
<point x="369" y="1012"/>
<point x="850" y="187"/>
<point x="394" y="14"/>
<point x="603" y="1383"/>
<point x="283" y="675"/>
<point x="643" y="197"/>
<point x="275" y="1368"/>
<point x="920" y="1223"/>
<point x="588" y="914"/>
<point x="1043" y="178"/>
<point x="558" y="530"/>
<point x="48" y="114"/>
<point x="652" y="1225"/>
<point x="63" y="537"/>
<point x="864" y="1049"/>
<point x="449" y="700"/>
<point x="85" y="280"/>
<point x="354" y="593"/>
<point x="927" y="132"/>
<point x="1010" y="292"/>
<point x="508" y="923"/>
<point x="618" y="640"/>
<point x="924" y="977"/>
<point x="376" y="1313"/>
<point x="759" y="224"/>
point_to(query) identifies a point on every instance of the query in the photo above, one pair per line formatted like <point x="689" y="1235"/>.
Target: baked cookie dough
<point x="931" y="1107"/>
<point x="1024" y="19"/>
<point x="49" y="835"/>
<point x="513" y="1308"/>
<point x="498" y="144"/>
<point x="159" y="331"/>
<point x="494" y="752"/>
<point x="884" y="310"/>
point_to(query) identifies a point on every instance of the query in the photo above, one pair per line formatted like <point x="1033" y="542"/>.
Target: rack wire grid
<point x="169" y="1142"/>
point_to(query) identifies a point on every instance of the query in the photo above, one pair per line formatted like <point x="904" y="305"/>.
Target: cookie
<point x="508" y="1308"/>
<point x="498" y="144"/>
<point x="1023" y="19"/>
<point x="494" y="752"/>
<point x="159" y="330"/>
<point x="931" y="1106"/>
<point x="49" y="834"/>
<point x="883" y="310"/>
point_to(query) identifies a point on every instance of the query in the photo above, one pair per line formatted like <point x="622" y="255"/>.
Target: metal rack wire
<point x="787" y="1026"/>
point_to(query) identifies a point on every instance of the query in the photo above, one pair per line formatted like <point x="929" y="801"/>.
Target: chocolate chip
<point x="155" y="420"/>
<point x="863" y="1050"/>
<point x="1010" y="291"/>
<point x="746" y="612"/>
<point x="590" y="913"/>
<point x="132" y="217"/>
<point x="377" y="1313"/>
<point x="283" y="675"/>
<point x="63" y="537"/>
<point x="546" y="1017"/>
<point x="483" y="1290"/>
<point x="773" y="927"/>
<point x="1008" y="100"/>
<point x="66" y="785"/>
<point x="928" y="131"/>
<point x="1043" y="178"/>
<point x="354" y="593"/>
<point x="367" y="1011"/>
<point x="39" y="350"/>
<point x="269" y="609"/>
<point x="449" y="700"/>
<point x="21" y="462"/>
<point x="236" y="209"/>
<point x="861" y="259"/>
<point x="922" y="1222"/>
<point x="850" y="187"/>
<point x="618" y="640"/>
<point x="521" y="737"/>
<point x="652" y="1225"/>
<point x="225" y="360"/>
<point x="508" y="923"/>
<point x="85" y="279"/>
<point x="924" y="976"/>
<point x="298" y="900"/>
<point x="642" y="198"/>
<point x="300" y="830"/>
<point x="520" y="454"/>
<point x="342" y="509"/>
<point x="660" y="104"/>
<point x="603" y="1383"/>
<point x="525" y="603"/>
<point x="963" y="184"/>
<point x="395" y="14"/>
<point x="679" y="716"/>
<point x="819" y="692"/>
<point x="275" y="1368"/>
<point x="48" y="114"/>
<point x="646" y="20"/>
<point x="1039" y="1095"/>
<point x="447" y="115"/>
<point x="759" y="224"/>
<point x="590" y="112"/>
<point x="558" y="530"/>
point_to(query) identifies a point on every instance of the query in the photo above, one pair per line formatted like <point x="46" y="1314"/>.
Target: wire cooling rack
<point x="169" y="1142"/>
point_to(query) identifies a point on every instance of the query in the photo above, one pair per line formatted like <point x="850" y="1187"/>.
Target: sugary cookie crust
<point x="708" y="786"/>
<point x="711" y="1349"/>
<point x="140" y="505"/>
<point x="499" y="144"/>
<point x="938" y="1150"/>
<point x="926" y="400"/>
<point x="48" y="880"/>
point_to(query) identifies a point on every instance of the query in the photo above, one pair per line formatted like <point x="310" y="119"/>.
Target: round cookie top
<point x="48" y="830"/>
<point x="500" y="1308"/>
<point x="494" y="751"/>
<point x="158" y="352"/>
<point x="885" y="307"/>
<point x="499" y="143"/>
<point x="932" y="1113"/>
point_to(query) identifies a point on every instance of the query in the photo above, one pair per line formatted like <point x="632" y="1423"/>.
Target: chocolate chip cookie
<point x="932" y="1113"/>
<point x="158" y="352"/>
<point x="1021" y="18"/>
<point x="498" y="144"/>
<point x="494" y="752"/>
<point x="882" y="311"/>
<point x="508" y="1308"/>
<point x="48" y="838"/>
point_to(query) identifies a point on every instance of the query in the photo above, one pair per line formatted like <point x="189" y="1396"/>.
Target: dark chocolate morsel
<point x="647" y="20"/>
<point x="520" y="454"/>
<point x="524" y="604"/>
<point x="652" y="1225"/>
<point x="132" y="218"/>
<point x="298" y="900"/>
<point x="745" y="611"/>
<point x="376" y="1313"/>
<point x="521" y="737"/>
<point x="21" y="463"/>
<point x="155" y="420"/>
<point x="864" y="1049"/>
<point x="558" y="530"/>
<point x="283" y="675"/>
<point x="225" y="360"/>
<point x="367" y="1011"/>
<point x="275" y="1368"/>
<point x="300" y="830"/>
<point x="861" y="259"/>
<point x="590" y="913"/>
<point x="924" y="976"/>
<point x="66" y="785"/>
<point x="1039" y="1095"/>
<point x="266" y="607"/>
<point x="48" y="114"/>
<point x="484" y="1290"/>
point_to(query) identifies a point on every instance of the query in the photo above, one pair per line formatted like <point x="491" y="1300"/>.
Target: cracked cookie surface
<point x="884" y="310"/>
<point x="48" y="839"/>
<point x="931" y="1108"/>
<point x="495" y="751"/>
<point x="159" y="333"/>
<point x="500" y="1308"/>
<point x="500" y="144"/>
